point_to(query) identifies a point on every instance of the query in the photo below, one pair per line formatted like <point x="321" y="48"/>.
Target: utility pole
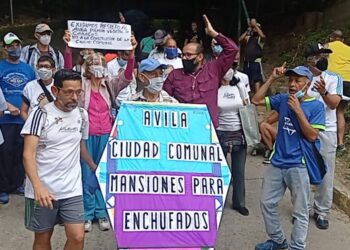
<point x="11" y="10"/>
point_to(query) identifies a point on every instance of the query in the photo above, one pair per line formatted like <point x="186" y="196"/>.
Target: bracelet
<point x="325" y="93"/>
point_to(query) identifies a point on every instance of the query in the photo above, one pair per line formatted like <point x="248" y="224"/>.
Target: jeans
<point x="94" y="203"/>
<point x="238" y="159"/>
<point x="324" y="192"/>
<point x="274" y="185"/>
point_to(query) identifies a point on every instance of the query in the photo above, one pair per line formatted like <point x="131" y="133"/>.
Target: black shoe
<point x="321" y="222"/>
<point x="242" y="210"/>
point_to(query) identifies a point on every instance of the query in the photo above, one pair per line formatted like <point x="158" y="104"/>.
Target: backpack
<point x="31" y="49"/>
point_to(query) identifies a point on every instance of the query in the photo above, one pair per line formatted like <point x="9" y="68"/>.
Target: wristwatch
<point x="325" y="93"/>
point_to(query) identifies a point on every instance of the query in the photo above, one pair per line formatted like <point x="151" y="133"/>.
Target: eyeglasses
<point x="189" y="55"/>
<point x="44" y="66"/>
<point x="71" y="92"/>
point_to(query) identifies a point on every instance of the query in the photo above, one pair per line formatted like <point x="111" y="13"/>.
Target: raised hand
<point x="209" y="30"/>
<point x="66" y="37"/>
<point x="278" y="72"/>
<point x="320" y="86"/>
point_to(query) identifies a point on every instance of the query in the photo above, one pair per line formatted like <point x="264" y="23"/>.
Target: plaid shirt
<point x="163" y="97"/>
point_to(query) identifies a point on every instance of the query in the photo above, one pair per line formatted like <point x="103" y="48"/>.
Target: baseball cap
<point x="300" y="71"/>
<point x="42" y="27"/>
<point x="314" y="49"/>
<point x="10" y="38"/>
<point x="159" y="36"/>
<point x="150" y="64"/>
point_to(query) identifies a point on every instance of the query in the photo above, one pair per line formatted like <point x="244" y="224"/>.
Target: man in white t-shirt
<point x="38" y="92"/>
<point x="115" y="68"/>
<point x="326" y="87"/>
<point x="53" y="146"/>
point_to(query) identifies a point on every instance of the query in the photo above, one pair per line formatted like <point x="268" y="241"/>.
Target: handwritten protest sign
<point x="98" y="35"/>
<point x="164" y="177"/>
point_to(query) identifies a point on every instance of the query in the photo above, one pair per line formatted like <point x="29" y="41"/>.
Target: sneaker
<point x="242" y="210"/>
<point x="4" y="198"/>
<point x="341" y="148"/>
<point x="88" y="226"/>
<point x="267" y="153"/>
<point x="104" y="224"/>
<point x="267" y="162"/>
<point x="271" y="245"/>
<point x="321" y="222"/>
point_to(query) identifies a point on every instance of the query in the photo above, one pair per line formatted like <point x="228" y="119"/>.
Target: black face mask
<point x="160" y="48"/>
<point x="235" y="65"/>
<point x="234" y="81"/>
<point x="189" y="65"/>
<point x="322" y="64"/>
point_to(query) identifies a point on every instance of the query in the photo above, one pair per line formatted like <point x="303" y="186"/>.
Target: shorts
<point x="346" y="91"/>
<point x="66" y="211"/>
<point x="254" y="72"/>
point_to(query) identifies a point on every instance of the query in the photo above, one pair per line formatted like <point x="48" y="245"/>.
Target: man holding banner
<point x="198" y="82"/>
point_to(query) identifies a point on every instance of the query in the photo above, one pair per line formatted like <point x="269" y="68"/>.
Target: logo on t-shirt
<point x="228" y="95"/>
<point x="15" y="79"/>
<point x="288" y="126"/>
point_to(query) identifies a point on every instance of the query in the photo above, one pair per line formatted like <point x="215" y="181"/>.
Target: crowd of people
<point x="57" y="117"/>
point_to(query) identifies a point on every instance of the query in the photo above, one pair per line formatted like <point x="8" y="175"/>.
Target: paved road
<point x="236" y="232"/>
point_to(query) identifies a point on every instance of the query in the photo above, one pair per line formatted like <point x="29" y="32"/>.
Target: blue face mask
<point x="300" y="94"/>
<point x="217" y="49"/>
<point x="14" y="52"/>
<point x="122" y="62"/>
<point x="171" y="53"/>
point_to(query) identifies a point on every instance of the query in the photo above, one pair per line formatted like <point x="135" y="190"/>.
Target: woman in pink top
<point x="99" y="93"/>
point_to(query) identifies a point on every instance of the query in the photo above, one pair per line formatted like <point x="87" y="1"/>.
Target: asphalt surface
<point x="236" y="232"/>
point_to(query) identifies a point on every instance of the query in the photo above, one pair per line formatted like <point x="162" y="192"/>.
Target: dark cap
<point x="314" y="49"/>
<point x="159" y="36"/>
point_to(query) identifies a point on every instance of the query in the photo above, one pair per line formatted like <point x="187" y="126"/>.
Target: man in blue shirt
<point x="300" y="116"/>
<point x="14" y="75"/>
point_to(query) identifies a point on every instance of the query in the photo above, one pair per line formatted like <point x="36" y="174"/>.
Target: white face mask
<point x="44" y="74"/>
<point x="229" y="74"/>
<point x="97" y="70"/>
<point x="155" y="84"/>
<point x="45" y="39"/>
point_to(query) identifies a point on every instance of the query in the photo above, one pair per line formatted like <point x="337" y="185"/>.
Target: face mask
<point x="44" y="74"/>
<point x="97" y="70"/>
<point x="300" y="94"/>
<point x="322" y="64"/>
<point x="189" y="65"/>
<point x="217" y="49"/>
<point x="155" y="84"/>
<point x="14" y="52"/>
<point x="229" y="74"/>
<point x="160" y="48"/>
<point x="122" y="62"/>
<point x="171" y="53"/>
<point x="45" y="39"/>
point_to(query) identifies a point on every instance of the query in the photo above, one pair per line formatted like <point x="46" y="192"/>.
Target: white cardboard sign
<point x="99" y="35"/>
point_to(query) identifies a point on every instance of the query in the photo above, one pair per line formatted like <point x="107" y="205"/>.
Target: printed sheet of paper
<point x="99" y="35"/>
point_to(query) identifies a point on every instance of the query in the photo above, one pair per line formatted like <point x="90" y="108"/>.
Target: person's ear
<point x="142" y="78"/>
<point x="200" y="57"/>
<point x="54" y="90"/>
<point x="37" y="36"/>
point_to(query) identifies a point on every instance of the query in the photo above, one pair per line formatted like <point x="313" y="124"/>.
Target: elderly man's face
<point x="297" y="83"/>
<point x="171" y="43"/>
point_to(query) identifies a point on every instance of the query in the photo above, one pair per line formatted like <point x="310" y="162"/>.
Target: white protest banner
<point x="98" y="35"/>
